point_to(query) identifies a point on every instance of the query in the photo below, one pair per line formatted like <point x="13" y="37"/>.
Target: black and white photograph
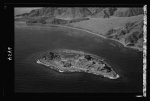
<point x="79" y="49"/>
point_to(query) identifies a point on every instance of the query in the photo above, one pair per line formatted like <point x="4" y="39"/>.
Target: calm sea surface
<point x="32" y="77"/>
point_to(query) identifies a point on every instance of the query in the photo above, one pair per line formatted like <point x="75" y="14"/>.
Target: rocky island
<point x="64" y="60"/>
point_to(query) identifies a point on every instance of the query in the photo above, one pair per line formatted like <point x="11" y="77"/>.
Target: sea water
<point x="30" y="41"/>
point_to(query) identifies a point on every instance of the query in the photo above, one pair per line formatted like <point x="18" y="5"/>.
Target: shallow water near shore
<point x="32" y="77"/>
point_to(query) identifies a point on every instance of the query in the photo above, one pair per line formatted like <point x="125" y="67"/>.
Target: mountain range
<point x="96" y="19"/>
<point x="78" y="12"/>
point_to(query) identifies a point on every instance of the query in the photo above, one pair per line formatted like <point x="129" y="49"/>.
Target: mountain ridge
<point x="111" y="22"/>
<point x="78" y="12"/>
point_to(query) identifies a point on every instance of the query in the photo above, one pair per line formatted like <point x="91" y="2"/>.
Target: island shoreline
<point x="57" y="67"/>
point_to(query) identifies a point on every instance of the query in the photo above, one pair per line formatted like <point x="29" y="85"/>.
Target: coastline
<point x="94" y="33"/>
<point x="86" y="30"/>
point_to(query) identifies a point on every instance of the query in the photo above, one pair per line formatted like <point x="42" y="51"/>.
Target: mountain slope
<point x="127" y="12"/>
<point x="102" y="25"/>
<point x="127" y="30"/>
<point x="131" y="34"/>
<point x="122" y="24"/>
<point x="78" y="12"/>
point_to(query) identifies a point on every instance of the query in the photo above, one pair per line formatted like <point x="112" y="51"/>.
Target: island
<point x="65" y="60"/>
